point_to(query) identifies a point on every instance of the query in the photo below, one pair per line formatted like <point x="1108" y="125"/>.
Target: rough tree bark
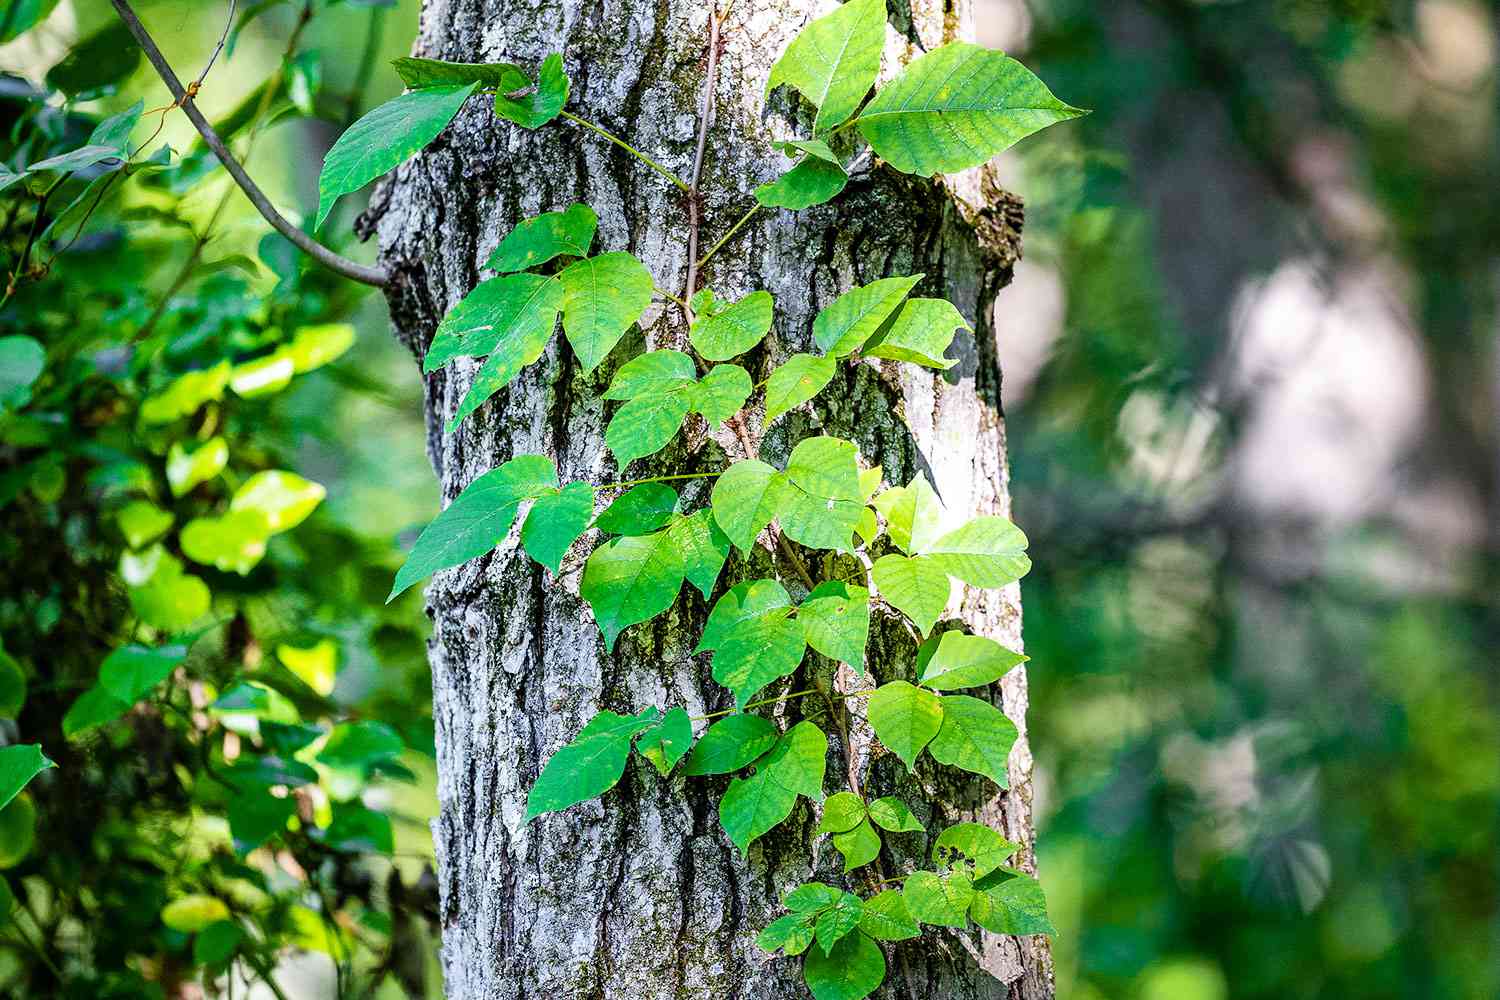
<point x="641" y="894"/>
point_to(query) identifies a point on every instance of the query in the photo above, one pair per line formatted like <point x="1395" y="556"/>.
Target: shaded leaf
<point x="744" y="600"/>
<point x="631" y="579"/>
<point x="755" y="804"/>
<point x="842" y="812"/>
<point x="835" y="620"/>
<point x="890" y="813"/>
<point x="543" y="104"/>
<point x="854" y="969"/>
<point x="838" y="920"/>
<point x="384" y="138"/>
<point x="985" y="849"/>
<point x="20" y="763"/>
<point x="942" y="900"/>
<point x="730" y="744"/>
<point x="665" y="743"/>
<point x="859" y="846"/>
<point x="756" y="651"/>
<point x="745" y="499"/>
<point x="639" y="511"/>
<point x="131" y="671"/>
<point x="886" y="918"/>
<point x="813" y="181"/>
<point x="703" y="548"/>
<point x="417" y="73"/>
<point x="555" y="522"/>
<point x="720" y="394"/>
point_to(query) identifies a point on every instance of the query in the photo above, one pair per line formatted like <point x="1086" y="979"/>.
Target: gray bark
<point x="641" y="894"/>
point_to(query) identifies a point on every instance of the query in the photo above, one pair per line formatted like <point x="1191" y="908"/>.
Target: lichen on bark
<point x="641" y="894"/>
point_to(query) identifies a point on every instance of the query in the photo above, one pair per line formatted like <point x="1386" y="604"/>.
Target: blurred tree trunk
<point x="641" y="894"/>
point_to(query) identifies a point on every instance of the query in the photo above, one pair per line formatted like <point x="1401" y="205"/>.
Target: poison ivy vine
<point x="952" y="109"/>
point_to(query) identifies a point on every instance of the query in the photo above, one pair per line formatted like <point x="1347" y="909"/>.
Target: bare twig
<point x="228" y="27"/>
<point x="695" y="198"/>
<point x="333" y="261"/>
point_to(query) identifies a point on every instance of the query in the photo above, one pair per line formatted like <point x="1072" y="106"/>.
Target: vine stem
<point x="705" y="114"/>
<point x="669" y="175"/>
<point x="658" y="479"/>
<point x="840" y="696"/>
<point x="374" y="276"/>
<point x="729" y="235"/>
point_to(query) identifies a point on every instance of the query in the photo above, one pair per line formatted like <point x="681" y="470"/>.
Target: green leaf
<point x="703" y="548"/>
<point x="984" y="848"/>
<point x="942" y="900"/>
<point x="630" y="580"/>
<point x="191" y="914"/>
<point x="186" y="470"/>
<point x="833" y="61"/>
<point x="854" y="317"/>
<point x="8" y="903"/>
<point x="835" y="620"/>
<point x="817" y="147"/>
<point x="545" y="103"/>
<point x="12" y="686"/>
<point x="745" y="499"/>
<point x="730" y="332"/>
<point x="841" y="813"/>
<point x="639" y="511"/>
<point x="886" y="918"/>
<point x="92" y="709"/>
<point x="890" y="813"/>
<point x="955" y="108"/>
<point x="811" y="897"/>
<point x="142" y="522"/>
<point x="384" y="138"/>
<point x="742" y="601"/>
<point x="161" y="594"/>
<point x="916" y="586"/>
<point x="603" y="296"/>
<point x="255" y="701"/>
<point x="283" y="498"/>
<point x="795" y="381"/>
<point x="234" y="543"/>
<point x="954" y="660"/>
<point x="1015" y="906"/>
<point x="312" y="347"/>
<point x="184" y="394"/>
<point x="568" y="233"/>
<point x="813" y="181"/>
<point x="358" y="830"/>
<point x="859" y="846"/>
<point x="755" y="804"/>
<point x="478" y="520"/>
<point x="652" y="373"/>
<point x="906" y="718"/>
<point x="360" y="745"/>
<point x="96" y="64"/>
<point x="756" y="651"/>
<point x="590" y="765"/>
<point x="315" y="665"/>
<point x="730" y="744"/>
<point x="913" y="514"/>
<point x="20" y="15"/>
<point x="20" y="763"/>
<point x="986" y="552"/>
<point x="821" y="506"/>
<point x="976" y="736"/>
<point x="793" y="933"/>
<point x="645" y="425"/>
<point x="920" y="334"/>
<point x="555" y="522"/>
<point x="418" y="73"/>
<point x="256" y="816"/>
<point x="665" y="743"/>
<point x="720" y="394"/>
<point x="131" y="671"/>
<point x="853" y="970"/>
<point x="838" y="920"/>
<point x="22" y="360"/>
<point x="217" y="942"/>
<point x="512" y="315"/>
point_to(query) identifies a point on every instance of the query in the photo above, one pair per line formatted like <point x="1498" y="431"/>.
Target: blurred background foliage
<point x="1253" y="391"/>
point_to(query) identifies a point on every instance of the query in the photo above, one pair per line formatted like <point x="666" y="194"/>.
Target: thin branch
<point x="628" y="148"/>
<point x="658" y="479"/>
<point x="729" y="235"/>
<point x="695" y="199"/>
<point x="228" y="27"/>
<point x="334" y="262"/>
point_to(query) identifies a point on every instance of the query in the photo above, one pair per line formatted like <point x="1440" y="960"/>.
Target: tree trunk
<point x="641" y="894"/>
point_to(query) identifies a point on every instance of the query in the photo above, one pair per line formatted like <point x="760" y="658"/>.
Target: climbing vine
<point x="951" y="109"/>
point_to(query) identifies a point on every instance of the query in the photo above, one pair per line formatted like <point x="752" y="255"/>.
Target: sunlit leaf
<point x="886" y="918"/>
<point x="916" y="586"/>
<point x="905" y="718"/>
<point x="890" y="813"/>
<point x="187" y="469"/>
<point x="859" y="846"/>
<point x="745" y="499"/>
<point x="730" y="744"/>
<point x="942" y="900"/>
<point x="734" y="329"/>
<point x="954" y="660"/>
<point x="976" y="736"/>
<point x="630" y="580"/>
<point x="833" y="61"/>
<point x="19" y="763"/>
<point x="755" y="804"/>
<point x="986" y="552"/>
<point x="541" y="105"/>
<point x="835" y="619"/>
<point x="756" y="651"/>
<point x="920" y="334"/>
<point x="665" y="743"/>
<point x="744" y="600"/>
<point x="602" y="297"/>
<point x="555" y="522"/>
<point x="703" y="547"/>
<point x="795" y="381"/>
<point x="853" y="318"/>
<point x="955" y="108"/>
<point x="853" y="970"/>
